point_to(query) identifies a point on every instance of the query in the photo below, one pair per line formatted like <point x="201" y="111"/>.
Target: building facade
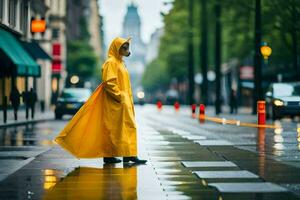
<point x="56" y="44"/>
<point x="32" y="59"/>
<point x="18" y="68"/>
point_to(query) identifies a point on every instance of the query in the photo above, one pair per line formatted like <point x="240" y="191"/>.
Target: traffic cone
<point x="176" y="106"/>
<point x="159" y="105"/>
<point x="201" y="113"/>
<point x="194" y="107"/>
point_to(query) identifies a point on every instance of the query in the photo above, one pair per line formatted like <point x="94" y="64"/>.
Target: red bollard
<point x="201" y="113"/>
<point x="194" y="107"/>
<point x="176" y="106"/>
<point x="159" y="105"/>
<point x="261" y="112"/>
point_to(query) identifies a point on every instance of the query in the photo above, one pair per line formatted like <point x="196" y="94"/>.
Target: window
<point x="24" y="16"/>
<point x="286" y="90"/>
<point x="12" y="8"/>
<point x="55" y="33"/>
<point x="1" y="9"/>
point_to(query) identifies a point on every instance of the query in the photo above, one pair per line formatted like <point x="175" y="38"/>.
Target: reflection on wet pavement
<point x="94" y="183"/>
<point x="261" y="145"/>
<point x="20" y="144"/>
<point x="29" y="135"/>
<point x="57" y="175"/>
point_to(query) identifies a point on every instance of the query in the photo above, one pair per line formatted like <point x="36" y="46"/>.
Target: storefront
<point x="17" y="67"/>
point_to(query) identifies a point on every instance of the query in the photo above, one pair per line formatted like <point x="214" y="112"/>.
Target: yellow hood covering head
<point x="115" y="47"/>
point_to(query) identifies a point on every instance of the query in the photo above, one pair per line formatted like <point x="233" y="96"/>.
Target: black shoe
<point x="134" y="159"/>
<point x="111" y="160"/>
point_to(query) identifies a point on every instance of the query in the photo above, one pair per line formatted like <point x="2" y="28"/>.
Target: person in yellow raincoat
<point x="105" y="125"/>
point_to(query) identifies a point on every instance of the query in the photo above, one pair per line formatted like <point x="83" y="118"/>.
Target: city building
<point x="33" y="48"/>
<point x="56" y="44"/>
<point x="18" y="67"/>
<point x="40" y="48"/>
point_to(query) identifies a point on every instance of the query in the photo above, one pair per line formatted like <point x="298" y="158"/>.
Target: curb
<point x="20" y="123"/>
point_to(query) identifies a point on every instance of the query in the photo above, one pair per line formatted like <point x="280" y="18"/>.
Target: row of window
<point x="11" y="10"/>
<point x="1" y="9"/>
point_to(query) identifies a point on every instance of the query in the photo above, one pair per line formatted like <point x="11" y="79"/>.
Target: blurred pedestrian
<point x="32" y="99"/>
<point x="15" y="98"/>
<point x="25" y="98"/>
<point x="233" y="101"/>
<point x="108" y="117"/>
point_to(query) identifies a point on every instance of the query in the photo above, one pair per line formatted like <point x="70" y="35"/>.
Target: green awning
<point x="25" y="65"/>
<point x="35" y="51"/>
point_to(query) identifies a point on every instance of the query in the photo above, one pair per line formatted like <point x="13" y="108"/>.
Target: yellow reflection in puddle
<point x="47" y="142"/>
<point x="19" y="138"/>
<point x="95" y="183"/>
<point x="278" y="131"/>
<point x="278" y="140"/>
<point x="50" y="180"/>
<point x="298" y="137"/>
<point x="48" y="172"/>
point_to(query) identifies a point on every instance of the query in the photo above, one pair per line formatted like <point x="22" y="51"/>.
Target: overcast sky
<point x="113" y="12"/>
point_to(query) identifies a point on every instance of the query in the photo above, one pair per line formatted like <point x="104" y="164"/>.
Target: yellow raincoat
<point x="105" y="125"/>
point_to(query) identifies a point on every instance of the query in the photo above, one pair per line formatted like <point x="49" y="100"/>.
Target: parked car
<point x="172" y="96"/>
<point x="70" y="101"/>
<point x="283" y="99"/>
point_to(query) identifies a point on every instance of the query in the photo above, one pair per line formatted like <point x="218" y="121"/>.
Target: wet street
<point x="186" y="160"/>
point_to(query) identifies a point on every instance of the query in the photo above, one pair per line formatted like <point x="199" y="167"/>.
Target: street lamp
<point x="74" y="79"/>
<point x="265" y="51"/>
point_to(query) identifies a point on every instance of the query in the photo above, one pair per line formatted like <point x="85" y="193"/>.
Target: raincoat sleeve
<point x="110" y="76"/>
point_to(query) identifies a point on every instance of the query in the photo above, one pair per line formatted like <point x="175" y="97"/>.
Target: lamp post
<point x="191" y="53"/>
<point x="218" y="56"/>
<point x="257" y="92"/>
<point x="204" y="50"/>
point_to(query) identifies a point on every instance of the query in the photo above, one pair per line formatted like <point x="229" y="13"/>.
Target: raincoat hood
<point x="115" y="47"/>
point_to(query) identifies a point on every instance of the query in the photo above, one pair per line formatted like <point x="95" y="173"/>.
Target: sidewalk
<point x="38" y="116"/>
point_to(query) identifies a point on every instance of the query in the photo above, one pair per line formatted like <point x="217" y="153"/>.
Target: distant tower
<point x="132" y="23"/>
<point x="132" y="28"/>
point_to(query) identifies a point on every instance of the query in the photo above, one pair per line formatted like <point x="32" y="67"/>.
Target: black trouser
<point x="233" y="108"/>
<point x="32" y="111"/>
<point x="15" y="108"/>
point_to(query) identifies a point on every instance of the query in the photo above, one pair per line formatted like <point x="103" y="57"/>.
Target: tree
<point x="81" y="59"/>
<point x="156" y="76"/>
